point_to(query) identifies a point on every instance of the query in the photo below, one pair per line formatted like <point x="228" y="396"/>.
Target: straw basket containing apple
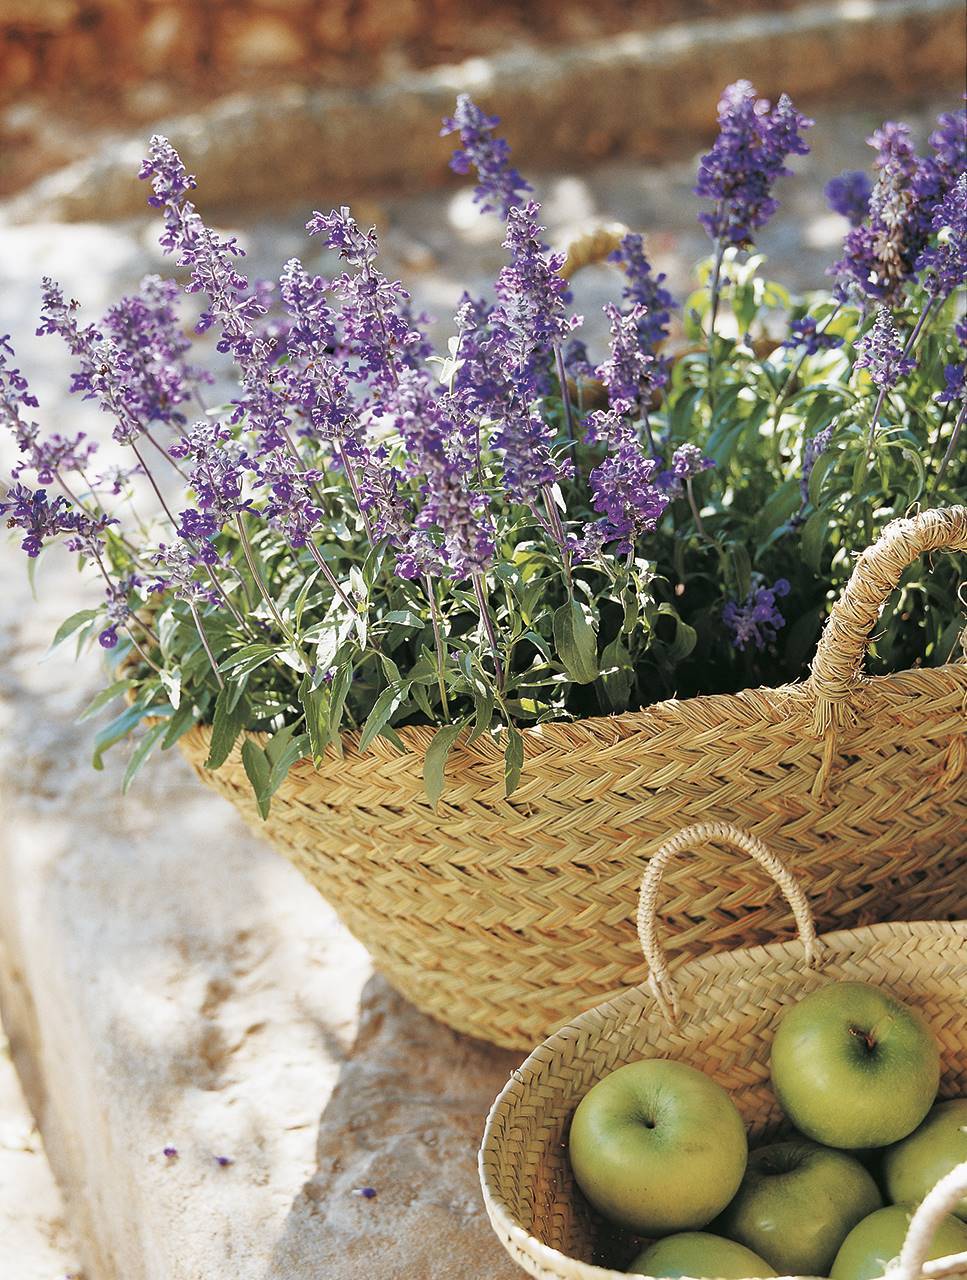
<point x="775" y="1110"/>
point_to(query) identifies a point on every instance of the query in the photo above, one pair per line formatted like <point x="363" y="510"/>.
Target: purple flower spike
<point x="849" y="195"/>
<point x="804" y="333"/>
<point x="880" y="352"/>
<point x="747" y="158"/>
<point x="529" y="465"/>
<point x="945" y="265"/>
<point x="816" y="445"/>
<point x="42" y="519"/>
<point x="626" y="493"/>
<point x="628" y="372"/>
<point x="645" y="290"/>
<point x="757" y="620"/>
<point x="500" y="187"/>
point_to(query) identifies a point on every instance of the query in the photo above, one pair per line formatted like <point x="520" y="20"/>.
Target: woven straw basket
<point x="506" y="917"/>
<point x="719" y="1014"/>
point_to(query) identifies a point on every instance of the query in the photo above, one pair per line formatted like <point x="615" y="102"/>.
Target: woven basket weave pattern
<point x="729" y="1007"/>
<point x="506" y="917"/>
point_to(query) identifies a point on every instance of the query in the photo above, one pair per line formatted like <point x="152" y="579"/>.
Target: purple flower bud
<point x="627" y="373"/>
<point x="688" y="460"/>
<point x="804" y="333"/>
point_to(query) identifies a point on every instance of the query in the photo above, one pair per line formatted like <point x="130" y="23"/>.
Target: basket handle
<point x="924" y="1224"/>
<point x="592" y="247"/>
<point x="837" y="668"/>
<point x="694" y="837"/>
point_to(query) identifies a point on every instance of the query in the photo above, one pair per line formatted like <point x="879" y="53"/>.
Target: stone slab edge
<point x="641" y="94"/>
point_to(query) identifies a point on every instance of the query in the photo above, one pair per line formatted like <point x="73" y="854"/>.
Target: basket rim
<point x="500" y="1217"/>
<point x="567" y="734"/>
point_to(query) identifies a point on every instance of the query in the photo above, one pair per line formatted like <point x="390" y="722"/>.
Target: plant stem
<point x="438" y="641"/>
<point x="258" y="579"/>
<point x="480" y="591"/>
<point x="690" y="492"/>
<point x="873" y="424"/>
<point x="165" y="454"/>
<point x="204" y="640"/>
<point x="786" y="388"/>
<point x="714" y="295"/>
<point x="160" y="496"/>
<point x="557" y="530"/>
<point x="566" y="401"/>
<point x="154" y="667"/>
<point x="917" y="328"/>
<point x="354" y="485"/>
<point x="648" y="432"/>
<point x="951" y="446"/>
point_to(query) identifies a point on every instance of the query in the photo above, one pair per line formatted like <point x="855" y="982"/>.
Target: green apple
<point x="698" y="1254"/>
<point x="852" y="1066"/>
<point x="873" y="1243"/>
<point x="918" y="1163"/>
<point x="796" y="1204"/>
<point x="658" y="1147"/>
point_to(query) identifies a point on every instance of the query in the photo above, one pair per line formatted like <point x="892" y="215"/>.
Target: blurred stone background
<point x="165" y="979"/>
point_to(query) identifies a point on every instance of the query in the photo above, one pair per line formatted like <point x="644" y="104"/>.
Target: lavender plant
<point x="369" y="536"/>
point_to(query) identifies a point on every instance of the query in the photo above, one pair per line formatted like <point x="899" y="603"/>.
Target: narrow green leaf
<point x="141" y="753"/>
<point x="103" y="698"/>
<point x="513" y="759"/>
<point x="228" y="723"/>
<point x="70" y="625"/>
<point x="434" y="763"/>
<point x="119" y="728"/>
<point x="341" y="683"/>
<point x="617" y="675"/>
<point x="384" y="707"/>
<point x="258" y="771"/>
<point x="179" y="723"/>
<point x="813" y="540"/>
<point x="576" y="642"/>
<point x="823" y="465"/>
<point x="315" y="704"/>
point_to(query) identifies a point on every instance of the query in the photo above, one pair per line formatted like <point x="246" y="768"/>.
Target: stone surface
<point x="647" y="94"/>
<point x="34" y="1242"/>
<point x="166" y="980"/>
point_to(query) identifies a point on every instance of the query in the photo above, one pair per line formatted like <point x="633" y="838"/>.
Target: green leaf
<point x="617" y="676"/>
<point x="283" y="749"/>
<point x="741" y="568"/>
<point x="484" y="704"/>
<point x="813" y="540"/>
<point x="257" y="770"/>
<point x="70" y="625"/>
<point x="576" y="642"/>
<point x="228" y="723"/>
<point x="172" y="686"/>
<point x="315" y="704"/>
<point x="384" y="707"/>
<point x="513" y="759"/>
<point x="103" y="698"/>
<point x="434" y="763"/>
<point x="179" y="723"/>
<point x="249" y="659"/>
<point x="684" y="637"/>
<point x="823" y="465"/>
<point x="339" y="689"/>
<point x="141" y="753"/>
<point x="777" y="509"/>
<point x="119" y="728"/>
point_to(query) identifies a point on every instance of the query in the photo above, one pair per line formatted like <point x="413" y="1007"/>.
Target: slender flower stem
<point x="153" y="665"/>
<point x="566" y="401"/>
<point x="646" y="423"/>
<point x="715" y="292"/>
<point x="918" y="327"/>
<point x="787" y="386"/>
<point x="438" y="642"/>
<point x="557" y="531"/>
<point x="165" y="454"/>
<point x="354" y="485"/>
<point x="160" y="496"/>
<point x="690" y="493"/>
<point x="204" y="640"/>
<point x="330" y="577"/>
<point x="951" y="446"/>
<point x="258" y="579"/>
<point x="873" y="425"/>
<point x="480" y="591"/>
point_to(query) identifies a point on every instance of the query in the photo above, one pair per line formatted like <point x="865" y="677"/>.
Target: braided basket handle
<point x="837" y="669"/>
<point x="694" y="837"/>
<point x="592" y="247"/>
<point x="924" y="1224"/>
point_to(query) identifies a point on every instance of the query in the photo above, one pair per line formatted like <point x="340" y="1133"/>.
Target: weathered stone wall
<point x="106" y="46"/>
